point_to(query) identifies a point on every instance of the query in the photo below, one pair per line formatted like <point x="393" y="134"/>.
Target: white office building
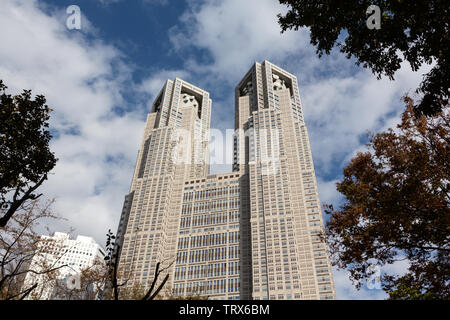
<point x="71" y="255"/>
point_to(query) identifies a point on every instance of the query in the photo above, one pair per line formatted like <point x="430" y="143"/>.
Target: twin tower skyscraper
<point x="253" y="233"/>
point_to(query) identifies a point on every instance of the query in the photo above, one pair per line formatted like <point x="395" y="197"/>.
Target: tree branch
<point x="16" y="204"/>
<point x="160" y="287"/>
<point x="114" y="279"/>
<point x="153" y="283"/>
<point x="25" y="293"/>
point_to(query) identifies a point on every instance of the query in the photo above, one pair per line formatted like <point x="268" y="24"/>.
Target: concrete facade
<point x="70" y="256"/>
<point x="252" y="233"/>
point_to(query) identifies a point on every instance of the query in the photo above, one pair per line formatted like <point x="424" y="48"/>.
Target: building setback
<point x="252" y="233"/>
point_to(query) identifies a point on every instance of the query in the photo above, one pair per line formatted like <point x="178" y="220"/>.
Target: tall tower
<point x="174" y="148"/>
<point x="289" y="260"/>
<point x="252" y="233"/>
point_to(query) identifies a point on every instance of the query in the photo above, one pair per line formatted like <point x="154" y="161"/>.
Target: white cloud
<point x="153" y="84"/>
<point x="82" y="82"/>
<point x="235" y="34"/>
<point x="327" y="191"/>
<point x="339" y="111"/>
<point x="345" y="290"/>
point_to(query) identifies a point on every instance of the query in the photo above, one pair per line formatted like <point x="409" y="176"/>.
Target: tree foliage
<point x="25" y="156"/>
<point x="417" y="30"/>
<point x="397" y="206"/>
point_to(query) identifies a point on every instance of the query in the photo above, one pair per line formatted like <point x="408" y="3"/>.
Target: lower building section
<point x="208" y="260"/>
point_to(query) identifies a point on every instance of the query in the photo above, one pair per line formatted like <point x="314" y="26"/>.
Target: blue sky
<point x="101" y="80"/>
